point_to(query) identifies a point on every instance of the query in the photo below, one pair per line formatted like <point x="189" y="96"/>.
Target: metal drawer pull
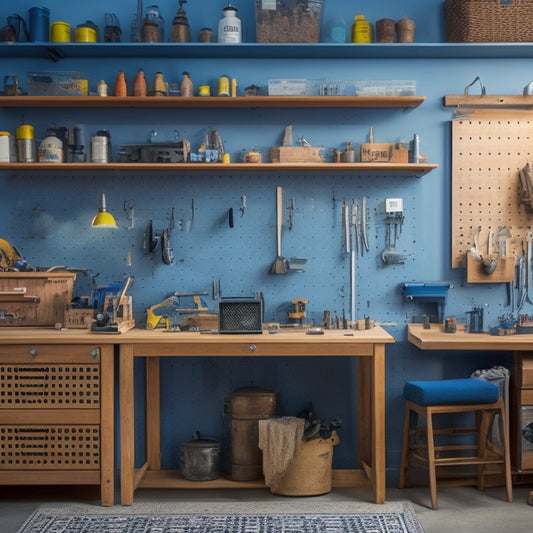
<point x="95" y="353"/>
<point x="253" y="347"/>
<point x="33" y="352"/>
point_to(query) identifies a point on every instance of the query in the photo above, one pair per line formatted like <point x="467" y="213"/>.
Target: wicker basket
<point x="490" y="21"/>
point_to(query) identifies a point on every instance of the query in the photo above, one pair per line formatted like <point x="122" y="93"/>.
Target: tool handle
<point x="279" y="217"/>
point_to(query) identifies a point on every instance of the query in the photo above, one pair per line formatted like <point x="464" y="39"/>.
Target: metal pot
<point x="200" y="458"/>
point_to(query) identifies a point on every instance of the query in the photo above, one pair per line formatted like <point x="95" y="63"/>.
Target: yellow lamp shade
<point x="103" y="219"/>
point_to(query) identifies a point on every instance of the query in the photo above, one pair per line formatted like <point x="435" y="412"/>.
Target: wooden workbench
<point x="367" y="346"/>
<point x="56" y="408"/>
<point x="521" y="347"/>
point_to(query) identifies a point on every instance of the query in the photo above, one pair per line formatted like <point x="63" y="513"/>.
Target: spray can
<point x="361" y="30"/>
<point x="25" y="144"/>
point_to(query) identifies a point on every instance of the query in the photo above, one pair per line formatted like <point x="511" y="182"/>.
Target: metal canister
<point x="223" y="86"/>
<point x="39" y="22"/>
<point x="100" y="148"/>
<point x="26" y="152"/>
<point x="200" y="458"/>
<point x="60" y="32"/>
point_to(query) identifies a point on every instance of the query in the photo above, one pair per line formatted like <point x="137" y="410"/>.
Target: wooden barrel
<point x="248" y="405"/>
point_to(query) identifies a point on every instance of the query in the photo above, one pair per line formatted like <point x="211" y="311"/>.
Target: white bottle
<point x="229" y="27"/>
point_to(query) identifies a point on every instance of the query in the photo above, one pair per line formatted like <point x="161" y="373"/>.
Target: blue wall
<point x="193" y="390"/>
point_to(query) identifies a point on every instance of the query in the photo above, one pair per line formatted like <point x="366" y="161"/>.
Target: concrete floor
<point x="462" y="509"/>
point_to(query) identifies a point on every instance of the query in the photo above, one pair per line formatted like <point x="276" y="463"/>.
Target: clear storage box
<point x="57" y="84"/>
<point x="385" y="88"/>
<point x="288" y="21"/>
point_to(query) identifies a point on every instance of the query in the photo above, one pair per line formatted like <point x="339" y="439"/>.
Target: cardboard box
<point x="34" y="298"/>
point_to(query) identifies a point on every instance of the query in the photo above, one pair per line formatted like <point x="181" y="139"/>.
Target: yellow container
<point x="361" y="30"/>
<point x="60" y="32"/>
<point x="85" y="34"/>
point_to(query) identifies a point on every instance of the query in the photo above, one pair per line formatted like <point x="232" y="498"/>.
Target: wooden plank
<point x="215" y="102"/>
<point x="127" y="424"/>
<point x="50" y="416"/>
<point x="107" y="426"/>
<point x="489" y="100"/>
<point x="153" y="414"/>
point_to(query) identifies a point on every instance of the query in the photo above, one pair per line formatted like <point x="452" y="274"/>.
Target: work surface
<point x="435" y="339"/>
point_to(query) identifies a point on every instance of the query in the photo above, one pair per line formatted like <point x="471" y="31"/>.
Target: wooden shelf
<point x="172" y="479"/>
<point x="489" y="100"/>
<point x="403" y="169"/>
<point x="168" y="102"/>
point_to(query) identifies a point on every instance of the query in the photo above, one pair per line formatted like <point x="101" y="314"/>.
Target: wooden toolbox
<point x="34" y="298"/>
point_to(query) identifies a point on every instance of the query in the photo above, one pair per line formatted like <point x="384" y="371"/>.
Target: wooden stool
<point x="428" y="398"/>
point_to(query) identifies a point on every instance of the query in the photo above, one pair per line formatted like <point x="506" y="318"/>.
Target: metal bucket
<point x="200" y="459"/>
<point x="246" y="407"/>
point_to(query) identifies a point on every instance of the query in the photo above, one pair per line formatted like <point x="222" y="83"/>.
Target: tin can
<point x="60" y="32"/>
<point x="7" y="148"/>
<point x="361" y="30"/>
<point x="99" y="149"/>
<point x="223" y="86"/>
<point x="26" y="152"/>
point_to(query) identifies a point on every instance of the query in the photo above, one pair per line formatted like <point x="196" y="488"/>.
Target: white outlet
<point x="393" y="206"/>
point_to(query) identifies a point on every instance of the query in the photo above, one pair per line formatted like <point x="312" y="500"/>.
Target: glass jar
<point x="153" y="29"/>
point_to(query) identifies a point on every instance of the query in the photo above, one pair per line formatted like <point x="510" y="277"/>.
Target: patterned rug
<point x="47" y="520"/>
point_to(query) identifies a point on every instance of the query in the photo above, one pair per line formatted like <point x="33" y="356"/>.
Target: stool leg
<point x="483" y="427"/>
<point x="504" y="428"/>
<point x="431" y="459"/>
<point x="404" y="464"/>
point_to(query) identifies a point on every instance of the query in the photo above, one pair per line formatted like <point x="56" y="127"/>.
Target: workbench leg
<point x="371" y="429"/>
<point x="153" y="414"/>
<point x="107" y="426"/>
<point x="127" y="425"/>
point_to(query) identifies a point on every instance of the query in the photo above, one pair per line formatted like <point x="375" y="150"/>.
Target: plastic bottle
<point x="361" y="30"/>
<point x="120" y="84"/>
<point x="186" y="87"/>
<point x="139" y="85"/>
<point x="229" y="27"/>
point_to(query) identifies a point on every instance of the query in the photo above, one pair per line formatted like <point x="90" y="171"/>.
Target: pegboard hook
<point x="483" y="91"/>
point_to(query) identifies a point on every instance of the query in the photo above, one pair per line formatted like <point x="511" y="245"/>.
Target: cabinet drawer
<point x="49" y="386"/>
<point x="526" y="397"/>
<point x="50" y="353"/>
<point x="49" y="447"/>
<point x="527" y="371"/>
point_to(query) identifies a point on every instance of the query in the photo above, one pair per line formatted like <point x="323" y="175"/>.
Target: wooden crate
<point x="53" y="290"/>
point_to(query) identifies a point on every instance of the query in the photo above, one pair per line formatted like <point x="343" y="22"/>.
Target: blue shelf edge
<point x="271" y="50"/>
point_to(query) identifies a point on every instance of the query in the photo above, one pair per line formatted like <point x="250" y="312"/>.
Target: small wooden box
<point x="475" y="273"/>
<point x="384" y="153"/>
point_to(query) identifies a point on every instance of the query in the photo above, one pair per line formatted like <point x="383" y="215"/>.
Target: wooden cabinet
<point x="522" y="412"/>
<point x="56" y="414"/>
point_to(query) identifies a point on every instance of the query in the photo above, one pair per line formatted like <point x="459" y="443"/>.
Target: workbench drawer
<point x="49" y="447"/>
<point x="527" y="371"/>
<point x="526" y="397"/>
<point x="49" y="353"/>
<point x="49" y="386"/>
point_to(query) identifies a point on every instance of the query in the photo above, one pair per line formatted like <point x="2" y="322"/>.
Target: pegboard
<point x="489" y="147"/>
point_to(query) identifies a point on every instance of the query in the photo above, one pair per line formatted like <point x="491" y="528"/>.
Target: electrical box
<point x="393" y="206"/>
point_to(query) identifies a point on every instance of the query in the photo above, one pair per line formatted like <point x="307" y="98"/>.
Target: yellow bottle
<point x="361" y="30"/>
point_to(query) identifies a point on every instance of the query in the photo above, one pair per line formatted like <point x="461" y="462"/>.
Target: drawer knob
<point x="253" y="347"/>
<point x="33" y="352"/>
<point x="95" y="353"/>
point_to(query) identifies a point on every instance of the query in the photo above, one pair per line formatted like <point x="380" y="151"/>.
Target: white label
<point x="268" y="4"/>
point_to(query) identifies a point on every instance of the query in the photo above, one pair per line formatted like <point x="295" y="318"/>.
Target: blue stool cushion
<point x="451" y="392"/>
